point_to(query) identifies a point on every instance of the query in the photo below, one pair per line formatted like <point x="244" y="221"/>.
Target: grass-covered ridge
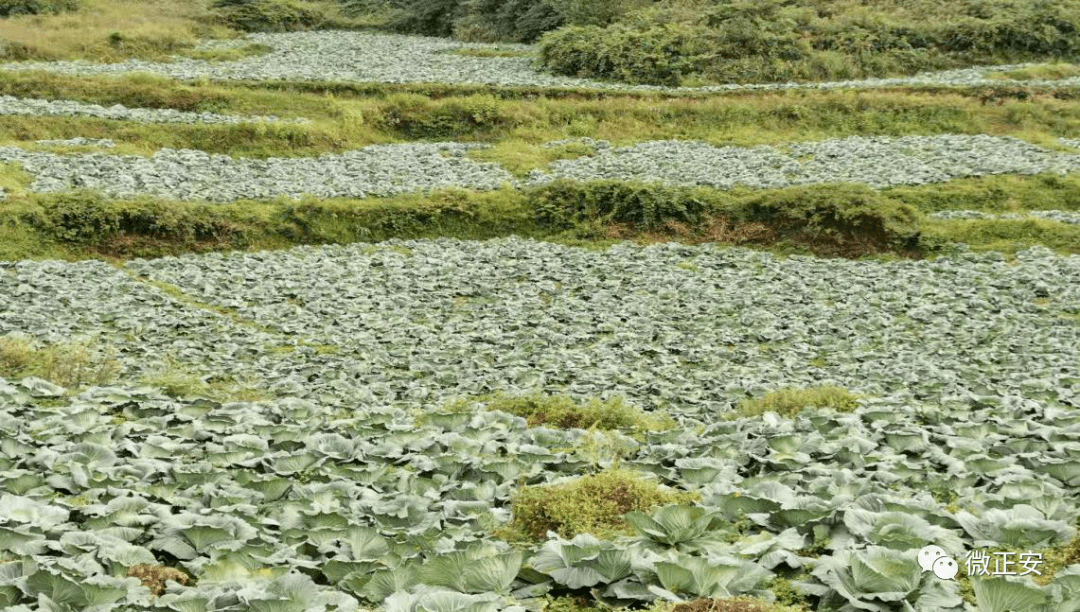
<point x="517" y="123"/>
<point x="845" y="220"/>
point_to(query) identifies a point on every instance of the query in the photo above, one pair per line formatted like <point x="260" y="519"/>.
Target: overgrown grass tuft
<point x="175" y="381"/>
<point x="564" y="412"/>
<point x="72" y="364"/>
<point x="592" y="504"/>
<point x="789" y="402"/>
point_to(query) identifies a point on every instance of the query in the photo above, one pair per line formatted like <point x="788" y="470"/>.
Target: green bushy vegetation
<point x="36" y="7"/>
<point x="829" y="220"/>
<point x="414" y="116"/>
<point x="269" y="15"/>
<point x="593" y="504"/>
<point x="499" y="20"/>
<point x="789" y="402"/>
<point x="68" y="364"/>
<point x="803" y="40"/>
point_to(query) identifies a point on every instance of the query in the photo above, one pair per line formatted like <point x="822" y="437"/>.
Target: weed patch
<point x="789" y="402"/>
<point x="564" y="412"/>
<point x="590" y="504"/>
<point x="69" y="364"/>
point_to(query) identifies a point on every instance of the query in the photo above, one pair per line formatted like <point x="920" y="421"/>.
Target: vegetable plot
<point x="359" y="483"/>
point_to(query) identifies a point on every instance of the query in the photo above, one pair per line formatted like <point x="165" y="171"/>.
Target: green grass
<point x="516" y="124"/>
<point x="227" y="55"/>
<point x="789" y="402"/>
<point x="1059" y="70"/>
<point x="71" y="364"/>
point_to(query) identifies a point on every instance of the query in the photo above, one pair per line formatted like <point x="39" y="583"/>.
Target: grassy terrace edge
<point x="830" y="220"/>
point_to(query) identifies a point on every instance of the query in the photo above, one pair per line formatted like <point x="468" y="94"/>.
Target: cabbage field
<point x="335" y="320"/>
<point x="360" y="482"/>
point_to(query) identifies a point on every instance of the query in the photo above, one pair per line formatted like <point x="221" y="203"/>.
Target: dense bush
<point x="428" y="17"/>
<point x="778" y="40"/>
<point x="503" y="20"/>
<point x="830" y="219"/>
<point x="568" y="204"/>
<point x="659" y="55"/>
<point x="507" y="20"/>
<point x="839" y="214"/>
<point x="36" y="7"/>
<point x="268" y="15"/>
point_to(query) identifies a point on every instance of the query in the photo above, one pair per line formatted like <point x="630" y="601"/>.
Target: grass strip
<point x="829" y="220"/>
<point x="516" y="126"/>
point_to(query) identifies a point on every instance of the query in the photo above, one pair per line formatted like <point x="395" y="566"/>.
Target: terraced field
<point x="364" y="321"/>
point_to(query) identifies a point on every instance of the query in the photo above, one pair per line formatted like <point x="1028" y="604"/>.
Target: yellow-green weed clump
<point x="69" y="364"/>
<point x="593" y="504"/>
<point x="788" y="402"/>
<point x="154" y="577"/>
<point x="564" y="412"/>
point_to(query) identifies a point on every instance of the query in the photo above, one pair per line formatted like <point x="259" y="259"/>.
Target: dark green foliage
<point x="848" y="214"/>
<point x="89" y="218"/>
<point x="658" y="55"/>
<point x="510" y="20"/>
<point x="837" y="219"/>
<point x="501" y="20"/>
<point x="268" y="15"/>
<point x="781" y="40"/>
<point x="568" y="203"/>
<point x="36" y="7"/>
<point x="428" y="17"/>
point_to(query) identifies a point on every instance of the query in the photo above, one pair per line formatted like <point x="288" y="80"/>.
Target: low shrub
<point x="36" y="7"/>
<point x="835" y="217"/>
<point x="269" y="15"/>
<point x="789" y="402"/>
<point x="830" y="219"/>
<point x="662" y="54"/>
<point x="83" y="217"/>
<point x="592" y="504"/>
<point x="566" y="204"/>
